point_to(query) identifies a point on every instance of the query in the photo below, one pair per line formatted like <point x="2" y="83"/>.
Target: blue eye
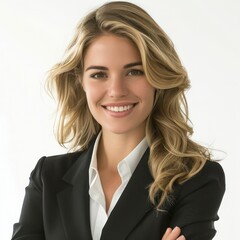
<point x="98" y="75"/>
<point x="135" y="72"/>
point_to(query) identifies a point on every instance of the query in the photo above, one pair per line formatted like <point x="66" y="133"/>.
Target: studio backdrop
<point x="33" y="36"/>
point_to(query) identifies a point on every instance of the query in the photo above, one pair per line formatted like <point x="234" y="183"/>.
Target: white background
<point x="34" y="35"/>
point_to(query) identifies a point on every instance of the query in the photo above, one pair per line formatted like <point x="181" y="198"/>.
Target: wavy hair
<point x="174" y="157"/>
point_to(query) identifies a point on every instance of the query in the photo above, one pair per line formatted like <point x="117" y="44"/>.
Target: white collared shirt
<point x="126" y="167"/>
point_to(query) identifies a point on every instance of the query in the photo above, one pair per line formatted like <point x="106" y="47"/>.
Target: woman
<point x="134" y="173"/>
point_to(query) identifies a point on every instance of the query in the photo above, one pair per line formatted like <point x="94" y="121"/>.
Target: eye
<point x="135" y="72"/>
<point x="98" y="75"/>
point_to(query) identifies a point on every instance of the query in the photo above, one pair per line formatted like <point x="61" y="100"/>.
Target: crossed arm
<point x="195" y="210"/>
<point x="197" y="204"/>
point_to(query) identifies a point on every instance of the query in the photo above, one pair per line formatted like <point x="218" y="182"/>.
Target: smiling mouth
<point x="124" y="108"/>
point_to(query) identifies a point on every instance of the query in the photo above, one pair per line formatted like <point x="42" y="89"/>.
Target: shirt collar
<point x="133" y="158"/>
<point x="93" y="164"/>
<point x="126" y="166"/>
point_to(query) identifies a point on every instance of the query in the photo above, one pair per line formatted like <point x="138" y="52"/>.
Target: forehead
<point x="110" y="49"/>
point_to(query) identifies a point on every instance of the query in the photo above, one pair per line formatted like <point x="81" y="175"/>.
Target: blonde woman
<point x="133" y="172"/>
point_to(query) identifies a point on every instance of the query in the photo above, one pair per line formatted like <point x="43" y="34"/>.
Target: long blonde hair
<point x="174" y="157"/>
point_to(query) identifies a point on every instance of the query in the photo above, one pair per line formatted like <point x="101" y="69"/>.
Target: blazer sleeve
<point x="30" y="225"/>
<point x="198" y="201"/>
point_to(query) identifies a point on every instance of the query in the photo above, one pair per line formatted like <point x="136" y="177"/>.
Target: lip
<point x="118" y="104"/>
<point x="119" y="114"/>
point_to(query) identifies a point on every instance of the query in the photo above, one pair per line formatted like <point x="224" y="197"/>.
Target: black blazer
<point x="56" y="204"/>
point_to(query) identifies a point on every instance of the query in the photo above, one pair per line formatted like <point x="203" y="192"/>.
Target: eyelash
<point x="137" y="72"/>
<point x="132" y="72"/>
<point x="94" y="75"/>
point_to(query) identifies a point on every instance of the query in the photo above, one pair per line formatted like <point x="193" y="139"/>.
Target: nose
<point x="117" y="87"/>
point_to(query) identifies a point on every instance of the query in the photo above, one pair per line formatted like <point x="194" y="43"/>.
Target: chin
<point x="124" y="129"/>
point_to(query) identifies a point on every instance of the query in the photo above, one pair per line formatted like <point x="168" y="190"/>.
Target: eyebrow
<point x="129" y="65"/>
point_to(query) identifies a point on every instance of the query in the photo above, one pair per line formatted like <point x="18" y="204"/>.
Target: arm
<point x="198" y="201"/>
<point x="30" y="225"/>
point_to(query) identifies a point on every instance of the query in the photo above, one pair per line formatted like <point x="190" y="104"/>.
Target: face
<point x="118" y="94"/>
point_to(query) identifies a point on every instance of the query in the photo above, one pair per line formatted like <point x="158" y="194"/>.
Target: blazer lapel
<point x="132" y="205"/>
<point x="73" y="199"/>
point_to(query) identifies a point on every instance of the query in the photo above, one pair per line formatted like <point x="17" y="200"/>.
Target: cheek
<point x="146" y="92"/>
<point x="93" y="93"/>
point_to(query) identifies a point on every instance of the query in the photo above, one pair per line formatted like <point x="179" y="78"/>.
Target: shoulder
<point x="57" y="162"/>
<point x="53" y="168"/>
<point x="211" y="174"/>
<point x="207" y="187"/>
<point x="197" y="200"/>
<point x="212" y="169"/>
<point x="61" y="161"/>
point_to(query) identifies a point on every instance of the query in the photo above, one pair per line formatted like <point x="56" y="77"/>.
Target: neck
<point x="113" y="148"/>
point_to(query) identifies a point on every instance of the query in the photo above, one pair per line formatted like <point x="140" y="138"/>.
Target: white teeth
<point x="119" y="108"/>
